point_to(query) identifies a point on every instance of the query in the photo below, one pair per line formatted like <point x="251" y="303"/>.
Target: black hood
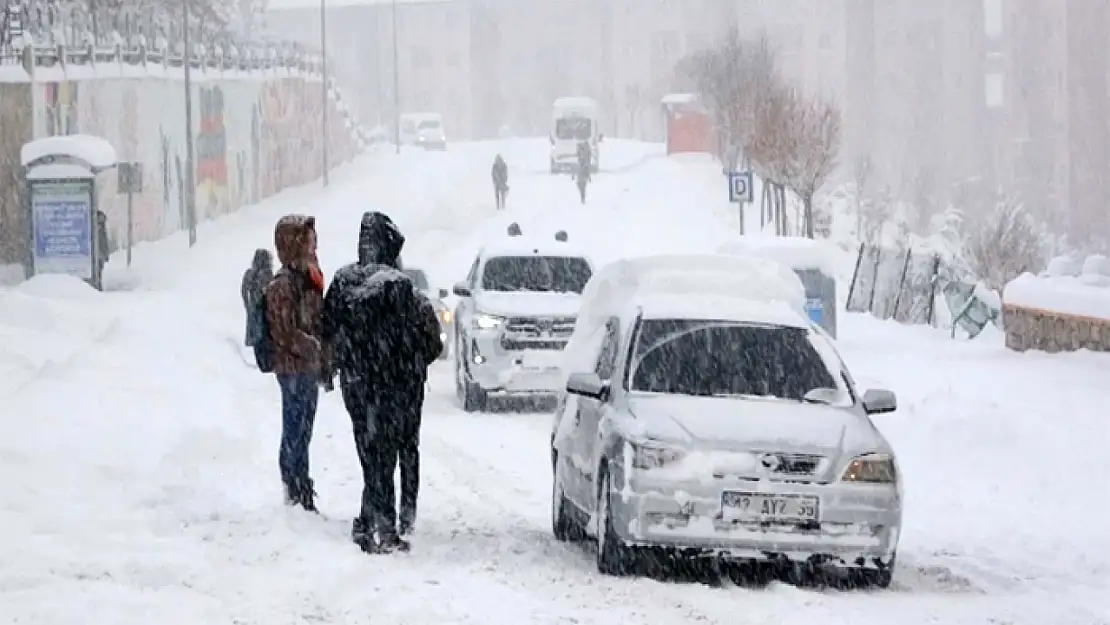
<point x="379" y="240"/>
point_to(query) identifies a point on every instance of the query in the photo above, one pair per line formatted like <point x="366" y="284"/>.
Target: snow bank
<point x="1079" y="296"/>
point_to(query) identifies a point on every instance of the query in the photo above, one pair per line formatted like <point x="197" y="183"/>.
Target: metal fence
<point x="898" y="284"/>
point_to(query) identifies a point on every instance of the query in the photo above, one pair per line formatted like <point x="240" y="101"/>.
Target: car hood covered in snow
<point x="528" y="303"/>
<point x="753" y="424"/>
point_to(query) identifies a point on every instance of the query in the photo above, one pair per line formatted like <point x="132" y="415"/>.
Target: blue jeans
<point x="299" y="394"/>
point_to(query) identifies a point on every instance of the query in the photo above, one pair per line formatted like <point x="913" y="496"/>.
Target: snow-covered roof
<point x="797" y="253"/>
<point x="722" y="308"/>
<point x="60" y="171"/>
<point x="680" y="98"/>
<point x="532" y="245"/>
<point x="98" y="153"/>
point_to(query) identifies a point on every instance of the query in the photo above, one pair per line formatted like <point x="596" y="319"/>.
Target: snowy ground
<point x="139" y="453"/>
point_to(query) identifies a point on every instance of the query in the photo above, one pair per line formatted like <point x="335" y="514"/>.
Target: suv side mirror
<point x="588" y="385"/>
<point x="877" y="401"/>
<point x="461" y="289"/>
<point x="442" y="293"/>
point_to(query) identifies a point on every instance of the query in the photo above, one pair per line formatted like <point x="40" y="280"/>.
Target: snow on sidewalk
<point x="140" y="452"/>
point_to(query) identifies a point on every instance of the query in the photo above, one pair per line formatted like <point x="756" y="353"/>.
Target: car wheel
<point x="875" y="578"/>
<point x="563" y="524"/>
<point x="613" y="556"/>
<point x="471" y="394"/>
<point x="554" y="167"/>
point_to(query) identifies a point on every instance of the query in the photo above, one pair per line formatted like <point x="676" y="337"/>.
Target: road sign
<point x="740" y="187"/>
<point x="129" y="177"/>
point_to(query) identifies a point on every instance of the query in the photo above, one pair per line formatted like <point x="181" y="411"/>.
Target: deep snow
<point x="139" y="452"/>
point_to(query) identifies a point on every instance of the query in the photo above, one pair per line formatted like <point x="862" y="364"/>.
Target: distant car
<point x="443" y="313"/>
<point x="516" y="312"/>
<point x="719" y="424"/>
<point x="423" y="130"/>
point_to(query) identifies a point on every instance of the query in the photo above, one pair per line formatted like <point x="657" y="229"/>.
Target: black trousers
<point x="387" y="434"/>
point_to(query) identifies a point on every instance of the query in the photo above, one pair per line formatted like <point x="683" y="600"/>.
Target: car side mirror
<point x="442" y="293"/>
<point x="461" y="289"/>
<point x="876" y="401"/>
<point x="588" y="385"/>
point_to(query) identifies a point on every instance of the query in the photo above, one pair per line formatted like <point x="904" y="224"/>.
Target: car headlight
<point x="871" y="469"/>
<point x="483" y="321"/>
<point x="653" y="455"/>
<point x="445" y="315"/>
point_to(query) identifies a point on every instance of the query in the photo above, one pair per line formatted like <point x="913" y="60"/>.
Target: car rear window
<point x="723" y="358"/>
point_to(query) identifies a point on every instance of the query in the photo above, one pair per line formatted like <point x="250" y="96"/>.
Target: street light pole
<point x="190" y="168"/>
<point x="396" y="84"/>
<point x="324" y="71"/>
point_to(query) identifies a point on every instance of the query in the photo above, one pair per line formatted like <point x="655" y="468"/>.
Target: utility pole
<point x="324" y="71"/>
<point x="190" y="166"/>
<point x="396" y="84"/>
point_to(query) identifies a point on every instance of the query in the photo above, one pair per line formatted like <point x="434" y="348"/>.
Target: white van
<point x="574" y="120"/>
<point x="423" y="130"/>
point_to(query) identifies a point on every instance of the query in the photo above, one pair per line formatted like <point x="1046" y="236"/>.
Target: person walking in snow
<point x="583" y="173"/>
<point x="294" y="310"/>
<point x="103" y="250"/>
<point x="252" y="288"/>
<point x="385" y="334"/>
<point x="500" y="175"/>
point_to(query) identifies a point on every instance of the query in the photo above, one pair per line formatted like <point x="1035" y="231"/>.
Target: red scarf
<point x="316" y="275"/>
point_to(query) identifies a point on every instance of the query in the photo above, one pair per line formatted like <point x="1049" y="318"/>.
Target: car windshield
<point x="418" y="277"/>
<point x="536" y="273"/>
<point x="428" y="124"/>
<point x="726" y="359"/>
<point x="573" y="128"/>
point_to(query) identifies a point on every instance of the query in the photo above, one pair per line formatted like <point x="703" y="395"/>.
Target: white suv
<point x="517" y="309"/>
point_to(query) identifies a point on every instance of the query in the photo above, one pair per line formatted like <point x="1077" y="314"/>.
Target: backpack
<point x="263" y="341"/>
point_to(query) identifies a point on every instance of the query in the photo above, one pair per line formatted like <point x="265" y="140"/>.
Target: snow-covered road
<point x="139" y="453"/>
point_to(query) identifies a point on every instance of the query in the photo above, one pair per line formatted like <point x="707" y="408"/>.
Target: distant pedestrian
<point x="583" y="174"/>
<point x="500" y="175"/>
<point x="252" y="289"/>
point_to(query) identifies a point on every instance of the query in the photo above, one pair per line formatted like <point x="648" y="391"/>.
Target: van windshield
<point x="573" y="129"/>
<point x="428" y="124"/>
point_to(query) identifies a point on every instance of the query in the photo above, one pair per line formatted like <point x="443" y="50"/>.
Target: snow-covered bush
<point x="1004" y="243"/>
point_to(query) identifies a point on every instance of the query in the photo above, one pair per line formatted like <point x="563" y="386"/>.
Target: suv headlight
<point x="871" y="469"/>
<point x="653" y="455"/>
<point x="483" y="321"/>
<point x="446" y="315"/>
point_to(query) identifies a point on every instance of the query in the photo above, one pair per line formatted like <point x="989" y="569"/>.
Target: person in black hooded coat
<point x="385" y="334"/>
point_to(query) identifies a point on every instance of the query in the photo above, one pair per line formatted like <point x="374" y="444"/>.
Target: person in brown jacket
<point x="294" y="308"/>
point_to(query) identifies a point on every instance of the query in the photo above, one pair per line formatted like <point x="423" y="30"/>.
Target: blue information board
<point x="816" y="309"/>
<point x="62" y="223"/>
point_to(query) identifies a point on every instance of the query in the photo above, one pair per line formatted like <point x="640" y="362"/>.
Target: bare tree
<point x="812" y="146"/>
<point x="1004" y="244"/>
<point x="861" y="174"/>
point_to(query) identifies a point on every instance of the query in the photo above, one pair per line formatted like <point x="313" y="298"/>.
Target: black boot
<point x="303" y="495"/>
<point x="407" y="522"/>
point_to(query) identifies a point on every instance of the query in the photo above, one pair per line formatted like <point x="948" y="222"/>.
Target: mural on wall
<point x="61" y="108"/>
<point x="256" y="152"/>
<point x="211" y="154"/>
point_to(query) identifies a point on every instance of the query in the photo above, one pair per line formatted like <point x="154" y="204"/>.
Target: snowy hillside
<point x="140" y="453"/>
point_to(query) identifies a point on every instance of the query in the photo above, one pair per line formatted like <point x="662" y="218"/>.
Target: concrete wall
<point x="1050" y="331"/>
<point x="255" y="134"/>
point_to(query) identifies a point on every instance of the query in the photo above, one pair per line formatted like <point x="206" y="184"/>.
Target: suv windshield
<point x="573" y="128"/>
<point x="536" y="273"/>
<point x="428" y="124"/>
<point x="418" y="277"/>
<point x="721" y="358"/>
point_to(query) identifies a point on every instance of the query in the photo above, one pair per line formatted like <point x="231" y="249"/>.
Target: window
<point x="722" y="358"/>
<point x="543" y="274"/>
<point x="428" y="124"/>
<point x="607" y="357"/>
<point x="573" y="129"/>
<point x="418" y="277"/>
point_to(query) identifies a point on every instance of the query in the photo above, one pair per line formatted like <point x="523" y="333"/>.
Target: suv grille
<point x="537" y="332"/>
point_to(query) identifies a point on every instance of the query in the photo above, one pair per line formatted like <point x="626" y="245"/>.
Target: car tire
<point x="470" y="394"/>
<point x="563" y="524"/>
<point x="554" y="167"/>
<point x="614" y="557"/>
<point x="876" y="578"/>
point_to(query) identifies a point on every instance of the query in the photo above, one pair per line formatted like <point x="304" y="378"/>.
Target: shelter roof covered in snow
<point x="97" y="153"/>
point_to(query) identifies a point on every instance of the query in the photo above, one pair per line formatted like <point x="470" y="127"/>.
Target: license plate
<point x="768" y="507"/>
<point x="541" y="361"/>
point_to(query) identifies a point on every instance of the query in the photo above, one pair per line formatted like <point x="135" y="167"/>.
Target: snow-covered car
<point x="705" y="414"/>
<point x="443" y="312"/>
<point x="516" y="312"/>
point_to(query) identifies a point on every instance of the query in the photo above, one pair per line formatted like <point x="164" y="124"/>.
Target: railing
<point x="48" y="33"/>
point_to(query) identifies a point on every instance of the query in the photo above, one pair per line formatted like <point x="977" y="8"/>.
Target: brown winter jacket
<point x="294" y="302"/>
